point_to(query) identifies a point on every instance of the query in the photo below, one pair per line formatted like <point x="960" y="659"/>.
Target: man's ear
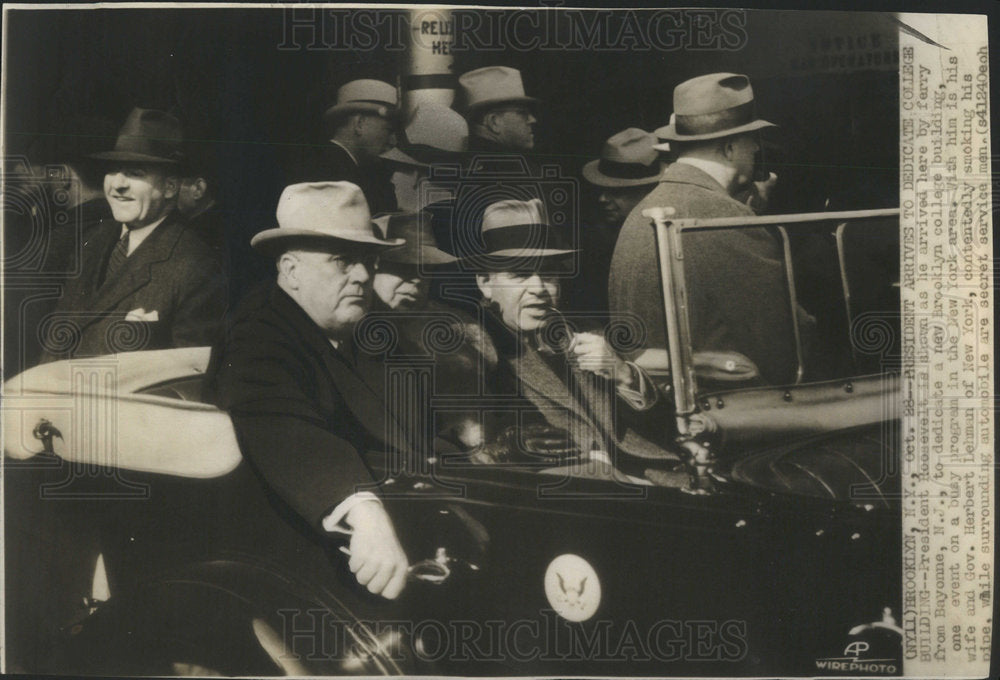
<point x="288" y="269"/>
<point x="198" y="188"/>
<point x="727" y="148"/>
<point x="358" y="124"/>
<point x="485" y="285"/>
<point x="491" y="121"/>
<point x="171" y="186"/>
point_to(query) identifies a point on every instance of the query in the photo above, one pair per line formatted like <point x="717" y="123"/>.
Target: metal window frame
<point x="670" y="255"/>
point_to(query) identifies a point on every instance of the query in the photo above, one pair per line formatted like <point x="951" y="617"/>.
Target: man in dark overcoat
<point x="360" y="126"/>
<point x="307" y="401"/>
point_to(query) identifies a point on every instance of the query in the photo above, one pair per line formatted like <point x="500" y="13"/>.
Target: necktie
<point x="117" y="259"/>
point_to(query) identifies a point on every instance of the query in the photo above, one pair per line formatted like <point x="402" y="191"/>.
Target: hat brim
<point x="424" y="255"/>
<point x="392" y="111"/>
<point x="394" y="155"/>
<point x="487" y="103"/>
<point x="134" y="157"/>
<point x="670" y="133"/>
<point x="509" y="259"/>
<point x="272" y="240"/>
<point x="592" y="174"/>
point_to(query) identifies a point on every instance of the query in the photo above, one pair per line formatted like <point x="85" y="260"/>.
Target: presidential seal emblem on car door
<point x="572" y="587"/>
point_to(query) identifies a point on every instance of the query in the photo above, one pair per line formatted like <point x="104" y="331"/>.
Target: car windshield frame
<point x="670" y="256"/>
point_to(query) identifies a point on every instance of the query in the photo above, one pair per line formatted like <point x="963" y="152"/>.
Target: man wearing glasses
<point x="307" y="404"/>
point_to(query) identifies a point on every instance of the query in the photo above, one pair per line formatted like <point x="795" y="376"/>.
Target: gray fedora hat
<point x="712" y="106"/>
<point x="628" y="159"/>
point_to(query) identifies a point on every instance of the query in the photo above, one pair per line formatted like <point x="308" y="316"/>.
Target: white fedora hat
<point x="628" y="159"/>
<point x="493" y="85"/>
<point x="434" y="134"/>
<point x="322" y="213"/>
<point x="365" y="96"/>
<point x="712" y="106"/>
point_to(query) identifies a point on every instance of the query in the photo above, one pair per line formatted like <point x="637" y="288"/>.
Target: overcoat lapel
<point x="136" y="272"/>
<point x="359" y="379"/>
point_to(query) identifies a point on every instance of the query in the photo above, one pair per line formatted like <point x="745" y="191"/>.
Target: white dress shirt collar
<point x="720" y="172"/>
<point x="137" y="236"/>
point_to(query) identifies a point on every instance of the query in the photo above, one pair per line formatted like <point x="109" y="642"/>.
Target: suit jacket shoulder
<point x="169" y="293"/>
<point x="633" y="282"/>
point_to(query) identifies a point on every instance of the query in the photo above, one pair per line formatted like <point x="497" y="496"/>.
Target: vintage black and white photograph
<point x="471" y="342"/>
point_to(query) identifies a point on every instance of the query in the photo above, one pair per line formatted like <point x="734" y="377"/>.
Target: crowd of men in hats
<point x="306" y="390"/>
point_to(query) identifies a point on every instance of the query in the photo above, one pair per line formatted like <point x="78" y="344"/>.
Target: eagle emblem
<point x="572" y="587"/>
<point x="572" y="594"/>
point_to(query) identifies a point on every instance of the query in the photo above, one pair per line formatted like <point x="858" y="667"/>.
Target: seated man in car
<point x="308" y="407"/>
<point x="427" y="330"/>
<point x="575" y="380"/>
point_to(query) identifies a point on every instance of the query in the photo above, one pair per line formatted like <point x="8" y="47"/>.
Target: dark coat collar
<point x="483" y="145"/>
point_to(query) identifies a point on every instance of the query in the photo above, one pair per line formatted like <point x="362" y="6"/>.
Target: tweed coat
<point x="736" y="279"/>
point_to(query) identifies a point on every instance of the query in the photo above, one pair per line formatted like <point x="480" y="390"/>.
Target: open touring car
<point x="138" y="542"/>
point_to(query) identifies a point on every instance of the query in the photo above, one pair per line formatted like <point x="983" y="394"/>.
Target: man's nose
<point x="119" y="180"/>
<point x="361" y="272"/>
<point x="534" y="283"/>
<point x="531" y="119"/>
<point x="603" y="197"/>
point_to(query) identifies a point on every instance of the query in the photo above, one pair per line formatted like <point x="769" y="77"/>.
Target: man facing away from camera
<point x="736" y="280"/>
<point x="360" y="126"/>
<point x="307" y="405"/>
<point x="501" y="116"/>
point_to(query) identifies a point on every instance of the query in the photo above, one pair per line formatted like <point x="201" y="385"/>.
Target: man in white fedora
<point x="360" y="126"/>
<point x="434" y="136"/>
<point x="308" y="407"/>
<point x="737" y="286"/>
<point x="501" y="116"/>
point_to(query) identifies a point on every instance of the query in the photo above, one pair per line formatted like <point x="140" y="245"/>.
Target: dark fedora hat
<point x="712" y="106"/>
<point x="420" y="247"/>
<point x="148" y="136"/>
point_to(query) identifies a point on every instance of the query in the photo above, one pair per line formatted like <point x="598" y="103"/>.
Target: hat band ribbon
<point x="719" y="121"/>
<point x="621" y="170"/>
<point x="523" y="237"/>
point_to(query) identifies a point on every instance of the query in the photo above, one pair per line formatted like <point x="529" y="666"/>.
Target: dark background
<point x="250" y="103"/>
<point x="251" y="99"/>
